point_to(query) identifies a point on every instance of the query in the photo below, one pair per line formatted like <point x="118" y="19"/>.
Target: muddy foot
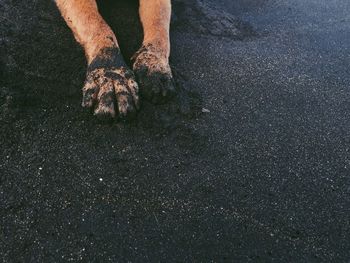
<point x="110" y="87"/>
<point x="154" y="75"/>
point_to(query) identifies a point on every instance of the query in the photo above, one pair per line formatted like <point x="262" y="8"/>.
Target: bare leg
<point x="110" y="87"/>
<point x="151" y="64"/>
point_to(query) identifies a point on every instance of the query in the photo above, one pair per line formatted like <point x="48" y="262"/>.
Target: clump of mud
<point x="198" y="16"/>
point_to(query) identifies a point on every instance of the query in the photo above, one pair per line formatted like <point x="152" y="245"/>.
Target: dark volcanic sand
<point x="264" y="176"/>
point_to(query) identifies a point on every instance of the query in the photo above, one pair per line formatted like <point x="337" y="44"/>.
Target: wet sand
<point x="250" y="162"/>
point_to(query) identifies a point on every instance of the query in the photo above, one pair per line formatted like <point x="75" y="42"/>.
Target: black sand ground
<point x="263" y="176"/>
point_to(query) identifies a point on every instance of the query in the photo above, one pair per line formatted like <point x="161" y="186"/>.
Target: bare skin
<point x="111" y="88"/>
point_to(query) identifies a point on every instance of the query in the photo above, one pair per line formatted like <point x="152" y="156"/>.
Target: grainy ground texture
<point x="250" y="162"/>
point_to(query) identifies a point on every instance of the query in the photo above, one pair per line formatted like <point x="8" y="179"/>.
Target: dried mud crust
<point x="197" y="16"/>
<point x="153" y="74"/>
